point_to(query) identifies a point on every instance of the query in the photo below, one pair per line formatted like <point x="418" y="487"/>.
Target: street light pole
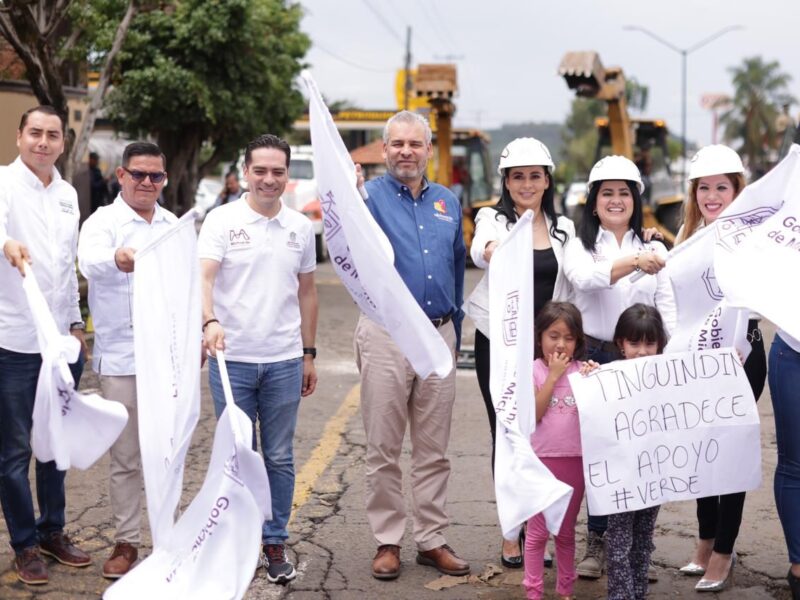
<point x="684" y="52"/>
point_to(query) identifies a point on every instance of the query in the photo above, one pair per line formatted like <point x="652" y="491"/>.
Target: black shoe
<point x="511" y="562"/>
<point x="794" y="585"/>
<point x="279" y="569"/>
<point x="515" y="562"/>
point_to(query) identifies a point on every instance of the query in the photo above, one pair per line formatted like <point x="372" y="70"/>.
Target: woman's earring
<point x="594" y="212"/>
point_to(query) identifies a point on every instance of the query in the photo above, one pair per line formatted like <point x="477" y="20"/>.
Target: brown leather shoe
<point x="30" y="566"/>
<point x="60" y="547"/>
<point x="444" y="559"/>
<point x="120" y="561"/>
<point x="386" y="564"/>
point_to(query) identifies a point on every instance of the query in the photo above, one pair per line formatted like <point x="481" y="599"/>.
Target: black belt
<point x="442" y="320"/>
<point x="604" y="346"/>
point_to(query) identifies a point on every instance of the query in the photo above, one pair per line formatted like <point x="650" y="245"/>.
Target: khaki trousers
<point x="126" y="463"/>
<point x="391" y="396"/>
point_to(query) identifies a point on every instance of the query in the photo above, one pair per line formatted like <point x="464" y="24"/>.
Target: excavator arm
<point x="585" y="74"/>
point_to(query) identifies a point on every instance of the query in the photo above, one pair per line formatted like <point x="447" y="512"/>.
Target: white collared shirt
<point x="110" y="290"/>
<point x="600" y="302"/>
<point x="492" y="226"/>
<point x="45" y="220"/>
<point x="255" y="292"/>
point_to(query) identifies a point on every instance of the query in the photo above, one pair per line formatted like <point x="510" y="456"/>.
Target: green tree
<point x="580" y="132"/>
<point x="580" y="139"/>
<point x="759" y="89"/>
<point x="208" y="75"/>
<point x="637" y="94"/>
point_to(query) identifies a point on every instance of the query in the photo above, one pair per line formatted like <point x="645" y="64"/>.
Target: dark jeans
<point x="19" y="374"/>
<point x="600" y="356"/>
<point x="482" y="360"/>
<point x="270" y="394"/>
<point x="784" y="386"/>
<point x="719" y="517"/>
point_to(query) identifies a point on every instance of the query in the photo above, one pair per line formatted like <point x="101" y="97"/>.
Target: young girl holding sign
<point x="557" y="439"/>
<point x="629" y="538"/>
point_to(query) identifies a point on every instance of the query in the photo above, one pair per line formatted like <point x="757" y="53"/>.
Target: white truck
<point x="302" y="194"/>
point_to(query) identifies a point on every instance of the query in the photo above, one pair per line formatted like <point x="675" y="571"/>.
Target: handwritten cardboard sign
<point x="665" y="428"/>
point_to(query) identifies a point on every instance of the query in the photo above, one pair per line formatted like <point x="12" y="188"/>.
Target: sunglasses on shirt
<point x="139" y="176"/>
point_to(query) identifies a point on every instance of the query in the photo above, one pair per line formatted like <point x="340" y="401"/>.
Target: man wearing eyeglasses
<point x="108" y="242"/>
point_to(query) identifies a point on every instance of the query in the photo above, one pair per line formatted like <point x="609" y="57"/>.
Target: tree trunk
<point x="181" y="150"/>
<point x="19" y="27"/>
<point x="82" y="142"/>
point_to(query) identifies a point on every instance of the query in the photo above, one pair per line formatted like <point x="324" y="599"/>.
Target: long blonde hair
<point x="692" y="217"/>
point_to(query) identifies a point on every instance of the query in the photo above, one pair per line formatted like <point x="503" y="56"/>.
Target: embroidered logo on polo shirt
<point x="440" y="206"/>
<point x="66" y="207"/>
<point x="293" y="243"/>
<point x="238" y="238"/>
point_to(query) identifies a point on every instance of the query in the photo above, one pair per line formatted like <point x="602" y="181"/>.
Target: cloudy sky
<point x="508" y="51"/>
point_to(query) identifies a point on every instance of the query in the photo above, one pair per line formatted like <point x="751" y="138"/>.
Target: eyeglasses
<point x="155" y="177"/>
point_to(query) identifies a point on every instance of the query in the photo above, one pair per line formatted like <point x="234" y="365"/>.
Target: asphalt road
<point x="330" y="537"/>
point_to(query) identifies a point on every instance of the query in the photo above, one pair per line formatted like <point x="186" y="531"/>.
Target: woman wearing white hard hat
<point x="604" y="265"/>
<point x="526" y="170"/>
<point x="716" y="177"/>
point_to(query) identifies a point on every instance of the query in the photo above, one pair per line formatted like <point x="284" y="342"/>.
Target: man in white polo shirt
<point x="109" y="238"/>
<point x="257" y="264"/>
<point x="38" y="226"/>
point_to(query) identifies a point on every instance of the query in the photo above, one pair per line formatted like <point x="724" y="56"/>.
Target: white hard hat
<point x="616" y="167"/>
<point x="714" y="160"/>
<point x="525" y="152"/>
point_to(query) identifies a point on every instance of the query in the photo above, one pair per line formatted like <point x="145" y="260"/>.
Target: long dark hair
<point x="505" y="206"/>
<point x="590" y="222"/>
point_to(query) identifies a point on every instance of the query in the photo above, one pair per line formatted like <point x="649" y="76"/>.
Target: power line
<point x="431" y="20"/>
<point x="383" y="21"/>
<point x="351" y="63"/>
<point x="443" y="22"/>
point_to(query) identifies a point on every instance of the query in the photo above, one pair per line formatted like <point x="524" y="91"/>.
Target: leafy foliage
<point x="759" y="89"/>
<point x="213" y="72"/>
<point x="580" y="139"/>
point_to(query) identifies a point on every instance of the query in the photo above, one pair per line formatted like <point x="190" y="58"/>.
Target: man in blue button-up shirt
<point x="423" y="223"/>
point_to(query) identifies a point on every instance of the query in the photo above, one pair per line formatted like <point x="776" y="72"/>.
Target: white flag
<point x="524" y="486"/>
<point x="705" y="320"/>
<point x="213" y="550"/>
<point x="70" y="428"/>
<point x="362" y="255"/>
<point x="166" y="337"/>
<point x="757" y="255"/>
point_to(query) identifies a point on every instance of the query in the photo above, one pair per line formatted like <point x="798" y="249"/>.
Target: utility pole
<point x="684" y="52"/>
<point x="407" y="88"/>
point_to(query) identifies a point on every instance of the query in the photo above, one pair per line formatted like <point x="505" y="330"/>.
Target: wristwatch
<point x="312" y="351"/>
<point x="78" y="325"/>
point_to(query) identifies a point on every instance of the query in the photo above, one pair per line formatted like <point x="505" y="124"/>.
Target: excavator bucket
<point x="436" y="81"/>
<point x="583" y="72"/>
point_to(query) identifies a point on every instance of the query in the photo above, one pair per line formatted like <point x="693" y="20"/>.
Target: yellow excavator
<point x="642" y="140"/>
<point x="432" y="87"/>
